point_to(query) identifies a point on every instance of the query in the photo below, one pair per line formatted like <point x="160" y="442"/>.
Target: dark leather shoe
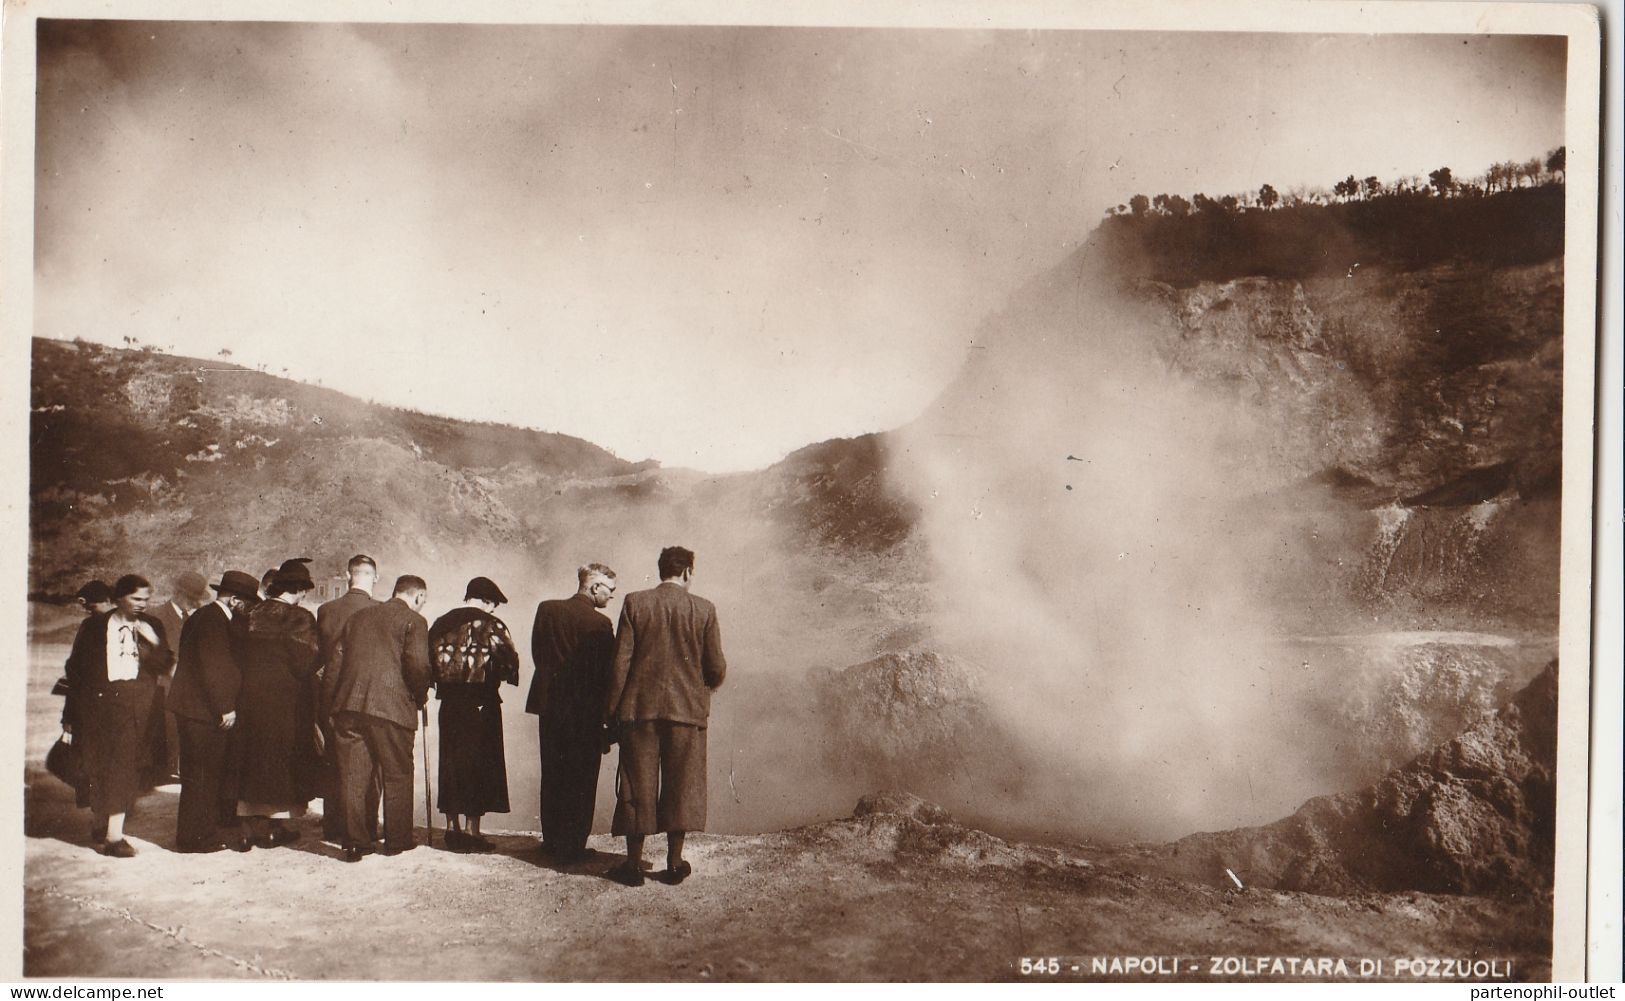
<point x="393" y="850"/>
<point x="118" y="849"/>
<point x="201" y="848"/>
<point x="476" y="843"/>
<point x="242" y="845"/>
<point x="355" y="853"/>
<point x="282" y="836"/>
<point x="627" y="874"/>
<point x="677" y="875"/>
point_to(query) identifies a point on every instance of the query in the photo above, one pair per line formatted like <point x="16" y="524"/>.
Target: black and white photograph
<point x="676" y="494"/>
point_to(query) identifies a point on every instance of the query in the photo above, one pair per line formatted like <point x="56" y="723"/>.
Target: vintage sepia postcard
<point x="806" y="491"/>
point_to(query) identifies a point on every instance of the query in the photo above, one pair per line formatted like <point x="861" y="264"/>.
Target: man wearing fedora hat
<point x="273" y="753"/>
<point x="203" y="698"/>
<point x="472" y="655"/>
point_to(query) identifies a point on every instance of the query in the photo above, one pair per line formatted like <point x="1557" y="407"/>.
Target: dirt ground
<point x="881" y="898"/>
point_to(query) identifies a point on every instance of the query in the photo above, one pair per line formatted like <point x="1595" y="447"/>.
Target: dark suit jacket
<point x="668" y="657"/>
<point x="172" y="622"/>
<point x="572" y="644"/>
<point x="87" y="662"/>
<point x="332" y="616"/>
<point x="208" y="672"/>
<point x="383" y="664"/>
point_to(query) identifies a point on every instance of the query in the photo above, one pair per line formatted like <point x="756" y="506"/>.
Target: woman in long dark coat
<point x="472" y="654"/>
<point x="112" y="680"/>
<point x="273" y="754"/>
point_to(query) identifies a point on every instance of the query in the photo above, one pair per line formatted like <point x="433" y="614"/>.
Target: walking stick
<point x="428" y="807"/>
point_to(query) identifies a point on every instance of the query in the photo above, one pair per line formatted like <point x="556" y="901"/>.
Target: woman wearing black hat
<point x="471" y="654"/>
<point x="273" y="750"/>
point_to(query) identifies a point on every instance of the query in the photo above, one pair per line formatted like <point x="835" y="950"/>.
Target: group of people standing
<point x="273" y="706"/>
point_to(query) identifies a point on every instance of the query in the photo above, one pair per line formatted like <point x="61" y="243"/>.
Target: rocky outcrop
<point x="1474" y="815"/>
<point x="904" y="720"/>
<point x="901" y="804"/>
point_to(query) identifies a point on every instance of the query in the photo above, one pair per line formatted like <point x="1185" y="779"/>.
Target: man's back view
<point x="381" y="684"/>
<point x="668" y="659"/>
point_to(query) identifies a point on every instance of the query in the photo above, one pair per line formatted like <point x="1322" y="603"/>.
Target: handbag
<point x="62" y="760"/>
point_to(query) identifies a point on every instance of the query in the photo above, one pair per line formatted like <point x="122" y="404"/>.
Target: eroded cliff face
<point x="1427" y="404"/>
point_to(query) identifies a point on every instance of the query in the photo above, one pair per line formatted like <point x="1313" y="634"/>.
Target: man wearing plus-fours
<point x="668" y="660"/>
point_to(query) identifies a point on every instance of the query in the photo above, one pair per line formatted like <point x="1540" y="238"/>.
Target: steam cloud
<point x="1093" y="525"/>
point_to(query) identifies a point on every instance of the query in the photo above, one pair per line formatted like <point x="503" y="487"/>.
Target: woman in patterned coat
<point x="471" y="655"/>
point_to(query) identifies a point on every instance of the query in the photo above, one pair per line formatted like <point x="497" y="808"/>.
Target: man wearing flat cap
<point x="472" y="656"/>
<point x="273" y="755"/>
<point x="203" y="698"/>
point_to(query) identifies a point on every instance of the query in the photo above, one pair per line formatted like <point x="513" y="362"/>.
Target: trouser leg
<point x="392" y="747"/>
<point x="581" y="786"/>
<point x="552" y="778"/>
<point x="172" y="741"/>
<point x="637" y="790"/>
<point x="682" y="799"/>
<point x="355" y="767"/>
<point x="202" y="763"/>
<point x="375" y="796"/>
<point x="332" y="802"/>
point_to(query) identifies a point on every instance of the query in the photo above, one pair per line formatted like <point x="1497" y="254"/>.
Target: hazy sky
<point x="708" y="246"/>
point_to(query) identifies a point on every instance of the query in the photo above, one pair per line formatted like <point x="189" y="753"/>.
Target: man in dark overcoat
<point x="380" y="687"/>
<point x="112" y="675"/>
<point x="668" y="660"/>
<point x="190" y="592"/>
<point x="572" y="643"/>
<point x="331" y="619"/>
<point x="203" y="698"/>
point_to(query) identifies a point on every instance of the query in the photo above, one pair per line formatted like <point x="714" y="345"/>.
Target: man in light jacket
<point x="668" y="660"/>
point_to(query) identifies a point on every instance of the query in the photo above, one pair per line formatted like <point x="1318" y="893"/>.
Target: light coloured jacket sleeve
<point x="621" y="666"/>
<point x="713" y="666"/>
